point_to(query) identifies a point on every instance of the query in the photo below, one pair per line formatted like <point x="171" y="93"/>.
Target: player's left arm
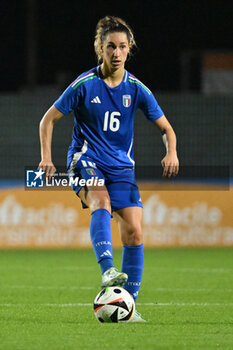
<point x="170" y="162"/>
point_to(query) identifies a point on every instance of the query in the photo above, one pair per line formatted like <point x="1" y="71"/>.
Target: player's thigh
<point x="95" y="198"/>
<point x="130" y="224"/>
<point x="93" y="194"/>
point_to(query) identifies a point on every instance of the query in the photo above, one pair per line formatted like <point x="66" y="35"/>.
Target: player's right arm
<point x="67" y="102"/>
<point x="46" y="132"/>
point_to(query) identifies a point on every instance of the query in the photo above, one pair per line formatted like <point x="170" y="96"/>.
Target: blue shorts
<point x="121" y="184"/>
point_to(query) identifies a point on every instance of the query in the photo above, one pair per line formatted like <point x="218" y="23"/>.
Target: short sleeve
<point x="68" y="101"/>
<point x="149" y="105"/>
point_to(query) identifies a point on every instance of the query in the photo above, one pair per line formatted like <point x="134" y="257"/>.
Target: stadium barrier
<point x="203" y="125"/>
<point x="45" y="219"/>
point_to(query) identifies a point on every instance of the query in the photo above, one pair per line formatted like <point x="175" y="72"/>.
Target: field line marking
<point x="193" y="269"/>
<point x="90" y="304"/>
<point x="93" y="268"/>
<point x="192" y="290"/>
<point x="47" y="287"/>
<point x="47" y="268"/>
<point x="229" y="290"/>
<point x="185" y="304"/>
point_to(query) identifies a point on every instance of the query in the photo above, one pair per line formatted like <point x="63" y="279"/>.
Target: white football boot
<point x="112" y="277"/>
<point x="136" y="317"/>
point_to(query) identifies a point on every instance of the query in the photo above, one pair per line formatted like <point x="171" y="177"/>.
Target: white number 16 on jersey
<point x="114" y="122"/>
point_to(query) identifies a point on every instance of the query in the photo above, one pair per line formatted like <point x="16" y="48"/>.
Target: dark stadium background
<point x="46" y="44"/>
<point x="65" y="30"/>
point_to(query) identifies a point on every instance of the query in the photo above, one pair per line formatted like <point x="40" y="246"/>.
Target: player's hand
<point x="48" y="168"/>
<point x="170" y="164"/>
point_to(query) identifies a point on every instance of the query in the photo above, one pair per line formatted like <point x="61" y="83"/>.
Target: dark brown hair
<point x="111" y="24"/>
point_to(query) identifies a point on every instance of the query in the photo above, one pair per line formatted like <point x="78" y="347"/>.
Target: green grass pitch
<point x="46" y="301"/>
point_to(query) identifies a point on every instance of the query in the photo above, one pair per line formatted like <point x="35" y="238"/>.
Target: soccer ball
<point x="114" y="304"/>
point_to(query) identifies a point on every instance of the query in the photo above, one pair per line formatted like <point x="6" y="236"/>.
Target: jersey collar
<point x="99" y="74"/>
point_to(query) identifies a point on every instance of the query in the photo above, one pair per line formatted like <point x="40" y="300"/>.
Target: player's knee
<point x="101" y="201"/>
<point x="133" y="235"/>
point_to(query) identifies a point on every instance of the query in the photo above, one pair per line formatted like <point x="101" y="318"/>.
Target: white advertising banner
<point x="55" y="219"/>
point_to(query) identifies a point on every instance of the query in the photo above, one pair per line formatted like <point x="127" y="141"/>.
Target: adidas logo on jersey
<point x="106" y="253"/>
<point x="96" y="100"/>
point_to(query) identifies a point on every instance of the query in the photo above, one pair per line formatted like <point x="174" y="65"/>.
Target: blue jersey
<point x="104" y="117"/>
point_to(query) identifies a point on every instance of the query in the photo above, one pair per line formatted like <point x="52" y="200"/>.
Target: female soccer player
<point x="104" y="101"/>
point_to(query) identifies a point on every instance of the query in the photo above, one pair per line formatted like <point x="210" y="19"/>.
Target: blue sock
<point x="132" y="264"/>
<point x="101" y="237"/>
